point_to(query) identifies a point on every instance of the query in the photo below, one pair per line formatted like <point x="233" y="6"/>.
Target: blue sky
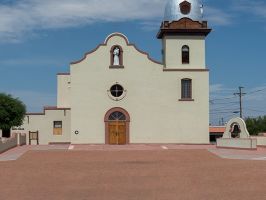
<point x="40" y="38"/>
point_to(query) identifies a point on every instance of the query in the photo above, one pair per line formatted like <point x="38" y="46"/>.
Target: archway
<point x="117" y="126"/>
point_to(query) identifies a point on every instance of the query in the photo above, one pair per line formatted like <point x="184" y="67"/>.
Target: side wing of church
<point x="117" y="94"/>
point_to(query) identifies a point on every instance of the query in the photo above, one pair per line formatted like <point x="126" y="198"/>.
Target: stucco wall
<point x="261" y="141"/>
<point x="241" y="143"/>
<point x="173" y="51"/>
<point x="16" y="139"/>
<point x="63" y="91"/>
<point x="8" y="143"/>
<point x="152" y="99"/>
<point x="44" y="124"/>
<point x="22" y="139"/>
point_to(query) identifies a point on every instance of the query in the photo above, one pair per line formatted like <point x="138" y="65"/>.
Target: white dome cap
<point x="173" y="12"/>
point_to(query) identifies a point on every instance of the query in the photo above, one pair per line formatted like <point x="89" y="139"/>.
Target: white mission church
<point x="117" y="94"/>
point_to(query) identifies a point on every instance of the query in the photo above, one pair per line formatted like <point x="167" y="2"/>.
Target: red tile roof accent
<point x="62" y="74"/>
<point x="54" y="108"/>
<point x="48" y="108"/>
<point x="217" y="129"/>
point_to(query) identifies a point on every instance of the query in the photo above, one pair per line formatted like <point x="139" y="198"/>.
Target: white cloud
<point x="33" y="62"/>
<point x="23" y="17"/>
<point x="257" y="8"/>
<point x="28" y="15"/>
<point x="219" y="88"/>
<point x="217" y="17"/>
<point x="35" y="100"/>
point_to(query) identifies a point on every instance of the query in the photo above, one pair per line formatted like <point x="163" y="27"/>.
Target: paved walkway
<point x="138" y="147"/>
<point x="259" y="154"/>
<point x="15" y="153"/>
<point x="183" y="174"/>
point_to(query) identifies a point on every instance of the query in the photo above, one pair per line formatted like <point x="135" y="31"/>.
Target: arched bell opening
<point x="235" y="130"/>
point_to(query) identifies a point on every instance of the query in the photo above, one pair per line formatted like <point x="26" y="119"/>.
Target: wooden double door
<point x="117" y="132"/>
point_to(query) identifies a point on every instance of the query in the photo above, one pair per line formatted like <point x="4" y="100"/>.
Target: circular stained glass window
<point x="116" y="90"/>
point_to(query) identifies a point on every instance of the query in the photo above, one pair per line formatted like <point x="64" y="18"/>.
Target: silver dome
<point x="173" y="13"/>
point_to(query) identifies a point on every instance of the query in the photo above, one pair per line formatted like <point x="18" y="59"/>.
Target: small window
<point x="57" y="128"/>
<point x="185" y="54"/>
<point x="186" y="87"/>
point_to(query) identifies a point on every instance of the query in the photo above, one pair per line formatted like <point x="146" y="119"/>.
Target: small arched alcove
<point x="116" y="57"/>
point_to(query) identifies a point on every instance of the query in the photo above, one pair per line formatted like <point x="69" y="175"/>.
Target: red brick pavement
<point x="154" y="174"/>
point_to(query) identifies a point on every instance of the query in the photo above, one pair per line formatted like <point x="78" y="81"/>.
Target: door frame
<point x="106" y="122"/>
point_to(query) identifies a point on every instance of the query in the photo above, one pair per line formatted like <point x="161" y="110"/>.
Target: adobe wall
<point x="13" y="141"/>
<point x="43" y="123"/>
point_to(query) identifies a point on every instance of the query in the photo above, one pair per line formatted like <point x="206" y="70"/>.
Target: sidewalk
<point x="259" y="154"/>
<point x="15" y="153"/>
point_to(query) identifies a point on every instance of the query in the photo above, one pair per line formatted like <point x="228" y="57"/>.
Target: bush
<point x="12" y="111"/>
<point x="256" y="125"/>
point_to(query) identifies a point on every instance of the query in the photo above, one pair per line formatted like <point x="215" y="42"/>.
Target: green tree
<point x="256" y="125"/>
<point x="12" y="112"/>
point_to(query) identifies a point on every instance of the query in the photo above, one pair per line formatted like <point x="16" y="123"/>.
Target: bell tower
<point x="183" y="35"/>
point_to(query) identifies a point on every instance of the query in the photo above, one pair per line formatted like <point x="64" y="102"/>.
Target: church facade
<point x="117" y="94"/>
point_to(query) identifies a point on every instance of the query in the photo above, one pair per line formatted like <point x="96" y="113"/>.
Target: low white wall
<point x="22" y="139"/>
<point x="8" y="143"/>
<point x="16" y="139"/>
<point x="239" y="143"/>
<point x="261" y="140"/>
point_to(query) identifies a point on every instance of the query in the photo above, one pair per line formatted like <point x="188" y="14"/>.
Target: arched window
<point x="117" y="116"/>
<point x="116" y="55"/>
<point x="185" y="54"/>
<point x="186" y="89"/>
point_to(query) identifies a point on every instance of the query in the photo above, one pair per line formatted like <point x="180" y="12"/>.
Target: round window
<point x="116" y="90"/>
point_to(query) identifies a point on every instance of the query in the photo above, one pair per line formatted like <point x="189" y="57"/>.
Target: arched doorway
<point x="117" y="126"/>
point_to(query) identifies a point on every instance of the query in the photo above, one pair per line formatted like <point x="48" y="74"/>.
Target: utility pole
<point x="240" y="94"/>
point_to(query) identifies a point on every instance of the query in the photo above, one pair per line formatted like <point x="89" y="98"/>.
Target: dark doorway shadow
<point x="6" y="133"/>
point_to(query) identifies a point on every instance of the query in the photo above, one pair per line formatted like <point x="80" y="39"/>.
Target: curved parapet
<point x="117" y="39"/>
<point x="236" y="124"/>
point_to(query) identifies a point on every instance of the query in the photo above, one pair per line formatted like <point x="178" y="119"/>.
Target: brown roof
<point x="48" y="108"/>
<point x="62" y="74"/>
<point x="217" y="129"/>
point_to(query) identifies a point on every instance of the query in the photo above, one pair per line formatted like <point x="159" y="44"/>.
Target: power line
<point x="226" y="98"/>
<point x="223" y="112"/>
<point x="256" y="91"/>
<point x="261" y="111"/>
<point x="224" y="117"/>
<point x="229" y="97"/>
<point x="224" y="103"/>
<point x="223" y="109"/>
<point x="240" y="94"/>
<point x="223" y="106"/>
